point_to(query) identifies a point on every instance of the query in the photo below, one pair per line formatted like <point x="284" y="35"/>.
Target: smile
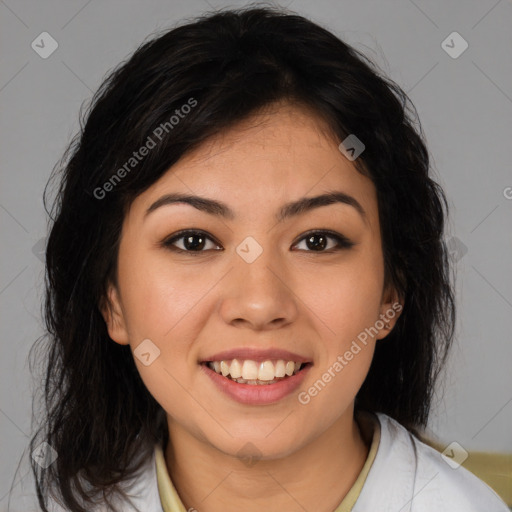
<point x="259" y="382"/>
<point x="256" y="373"/>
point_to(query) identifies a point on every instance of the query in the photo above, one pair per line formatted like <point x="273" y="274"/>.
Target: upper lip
<point x="256" y="354"/>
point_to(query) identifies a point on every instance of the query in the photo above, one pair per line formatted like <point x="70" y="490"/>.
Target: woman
<point x="248" y="293"/>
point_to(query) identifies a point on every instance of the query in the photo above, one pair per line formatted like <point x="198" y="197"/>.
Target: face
<point x="254" y="279"/>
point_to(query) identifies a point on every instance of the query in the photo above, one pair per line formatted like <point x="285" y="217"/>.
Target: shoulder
<point x="409" y="475"/>
<point x="142" y="491"/>
<point x="458" y="486"/>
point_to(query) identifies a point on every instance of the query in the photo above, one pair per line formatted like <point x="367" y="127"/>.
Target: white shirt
<point x="406" y="476"/>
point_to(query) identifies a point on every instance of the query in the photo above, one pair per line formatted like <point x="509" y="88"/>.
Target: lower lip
<point x="257" y="394"/>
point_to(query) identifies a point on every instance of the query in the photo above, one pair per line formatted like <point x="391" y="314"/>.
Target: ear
<point x="390" y="310"/>
<point x="112" y="312"/>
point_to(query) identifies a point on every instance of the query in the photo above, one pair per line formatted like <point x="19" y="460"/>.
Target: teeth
<point x="249" y="370"/>
<point x="252" y="372"/>
<point x="224" y="368"/>
<point x="280" y="368"/>
<point x="235" y="369"/>
<point x="266" y="371"/>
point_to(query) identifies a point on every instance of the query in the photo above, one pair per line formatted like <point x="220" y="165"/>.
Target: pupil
<point x="321" y="244"/>
<point x="190" y="245"/>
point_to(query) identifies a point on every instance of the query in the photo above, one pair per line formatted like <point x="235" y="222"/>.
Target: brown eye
<point x="190" y="241"/>
<point x="321" y="241"/>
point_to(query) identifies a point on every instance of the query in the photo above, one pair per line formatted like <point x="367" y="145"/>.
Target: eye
<point x="190" y="241"/>
<point x="195" y="242"/>
<point x="318" y="241"/>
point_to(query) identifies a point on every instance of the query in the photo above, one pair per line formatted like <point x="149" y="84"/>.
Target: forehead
<point x="281" y="132"/>
<point x="280" y="154"/>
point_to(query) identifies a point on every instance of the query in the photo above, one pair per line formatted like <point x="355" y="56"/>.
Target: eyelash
<point x="342" y="241"/>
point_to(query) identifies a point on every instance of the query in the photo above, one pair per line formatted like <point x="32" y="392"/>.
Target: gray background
<point x="465" y="105"/>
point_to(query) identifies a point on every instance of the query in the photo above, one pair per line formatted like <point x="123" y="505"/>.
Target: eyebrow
<point x="288" y="210"/>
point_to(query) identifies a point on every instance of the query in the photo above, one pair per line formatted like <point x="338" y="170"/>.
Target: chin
<point x="253" y="446"/>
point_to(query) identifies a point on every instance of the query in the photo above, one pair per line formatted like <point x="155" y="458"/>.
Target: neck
<point x="212" y="481"/>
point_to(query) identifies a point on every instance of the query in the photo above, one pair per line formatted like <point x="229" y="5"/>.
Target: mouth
<point x="257" y="373"/>
<point x="256" y="382"/>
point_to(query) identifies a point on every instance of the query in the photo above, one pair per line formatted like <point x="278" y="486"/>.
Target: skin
<point x="310" y="302"/>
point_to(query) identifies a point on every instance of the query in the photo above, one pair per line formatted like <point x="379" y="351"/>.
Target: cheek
<point x="162" y="310"/>
<point x="335" y="385"/>
<point x="157" y="298"/>
<point x="162" y="305"/>
<point x="346" y="297"/>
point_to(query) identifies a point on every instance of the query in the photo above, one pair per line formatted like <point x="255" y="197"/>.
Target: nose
<point x="259" y="295"/>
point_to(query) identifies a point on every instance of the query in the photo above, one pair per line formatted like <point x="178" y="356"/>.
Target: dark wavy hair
<point x="97" y="413"/>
